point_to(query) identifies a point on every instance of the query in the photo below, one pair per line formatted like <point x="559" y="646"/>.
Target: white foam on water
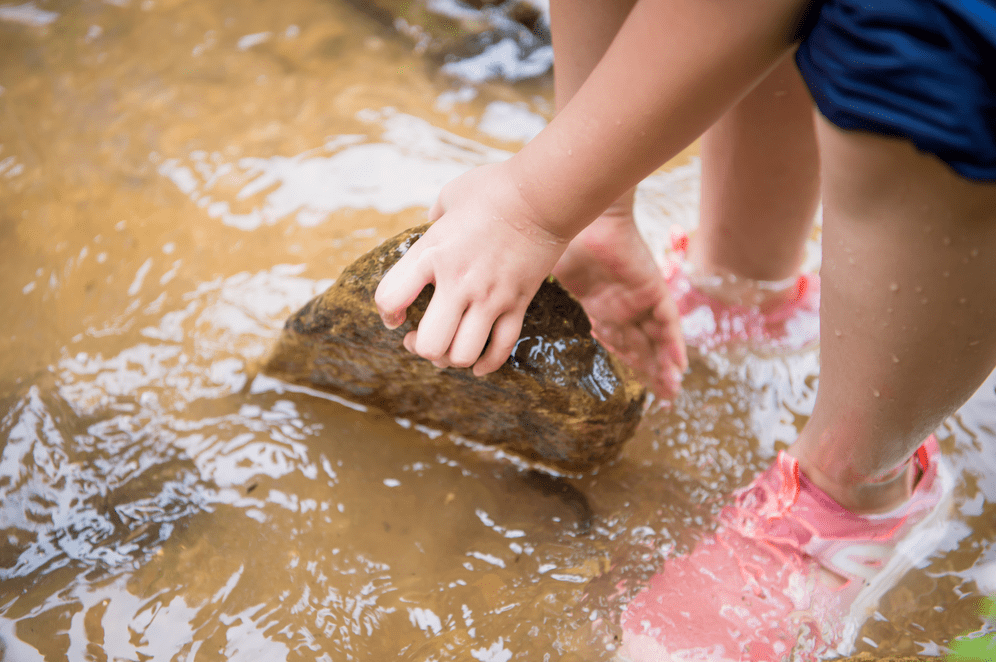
<point x="502" y="60"/>
<point x="511" y="121"/>
<point x="27" y="14"/>
<point x="496" y="653"/>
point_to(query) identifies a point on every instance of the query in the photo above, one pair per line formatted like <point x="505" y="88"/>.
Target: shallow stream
<point x="178" y="176"/>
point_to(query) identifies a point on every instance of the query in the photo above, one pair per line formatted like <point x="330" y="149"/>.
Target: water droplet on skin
<point x="963" y="301"/>
<point x="894" y="287"/>
<point x="973" y="343"/>
<point x="837" y="332"/>
<point x="850" y="260"/>
<point x="975" y="252"/>
<point x="895" y="359"/>
<point x="947" y="241"/>
<point x="570" y="152"/>
<point x="918" y="289"/>
<point x="876" y="393"/>
<point x="924" y="301"/>
<point x="947" y="274"/>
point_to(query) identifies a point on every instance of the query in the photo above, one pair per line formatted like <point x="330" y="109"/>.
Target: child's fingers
<point x="400" y="287"/>
<point x="504" y="335"/>
<point x="411" y="338"/>
<point x="670" y="361"/>
<point x="439" y="324"/>
<point x="667" y="310"/>
<point x="471" y="336"/>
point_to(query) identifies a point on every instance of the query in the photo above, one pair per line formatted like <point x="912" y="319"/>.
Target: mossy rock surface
<point x="561" y="399"/>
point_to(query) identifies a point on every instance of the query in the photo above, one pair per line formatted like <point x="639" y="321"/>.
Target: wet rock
<point x="561" y="399"/>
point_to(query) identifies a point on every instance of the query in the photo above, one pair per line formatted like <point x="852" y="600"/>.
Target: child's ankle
<point x="732" y="289"/>
<point x="728" y="285"/>
<point x="875" y="494"/>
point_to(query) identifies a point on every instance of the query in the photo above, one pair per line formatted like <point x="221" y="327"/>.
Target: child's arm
<point x="673" y="69"/>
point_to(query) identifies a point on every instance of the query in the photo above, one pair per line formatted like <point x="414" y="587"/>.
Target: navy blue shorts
<point x="924" y="70"/>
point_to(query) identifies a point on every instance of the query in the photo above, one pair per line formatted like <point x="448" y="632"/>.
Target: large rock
<point x="560" y="399"/>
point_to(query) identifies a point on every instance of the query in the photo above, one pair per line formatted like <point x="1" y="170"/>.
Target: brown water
<point x="176" y="177"/>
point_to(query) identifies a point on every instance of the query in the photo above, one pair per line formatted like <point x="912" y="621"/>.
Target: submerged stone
<point x="560" y="399"/>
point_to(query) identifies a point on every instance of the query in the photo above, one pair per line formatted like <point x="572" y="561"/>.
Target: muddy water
<point x="176" y="177"/>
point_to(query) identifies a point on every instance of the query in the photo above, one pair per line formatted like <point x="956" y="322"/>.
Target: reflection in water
<point x="166" y="203"/>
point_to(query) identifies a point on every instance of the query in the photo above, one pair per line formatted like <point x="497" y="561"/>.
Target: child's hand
<point x="487" y="255"/>
<point x="610" y="270"/>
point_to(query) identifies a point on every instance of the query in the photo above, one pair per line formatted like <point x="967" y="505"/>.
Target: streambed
<point x="178" y="176"/>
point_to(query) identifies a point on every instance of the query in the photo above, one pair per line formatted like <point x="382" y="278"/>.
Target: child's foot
<point x="720" y="310"/>
<point x="610" y="270"/>
<point x="788" y="574"/>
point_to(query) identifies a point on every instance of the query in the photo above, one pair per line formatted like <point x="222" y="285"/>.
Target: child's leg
<point x="909" y="332"/>
<point x="760" y="182"/>
<point x="908" y="310"/>
<point x="740" y="281"/>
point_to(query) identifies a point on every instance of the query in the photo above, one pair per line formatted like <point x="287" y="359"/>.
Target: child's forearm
<point x="673" y="69"/>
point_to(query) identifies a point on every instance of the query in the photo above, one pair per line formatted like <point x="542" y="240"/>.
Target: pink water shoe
<point x="789" y="574"/>
<point x="724" y="310"/>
